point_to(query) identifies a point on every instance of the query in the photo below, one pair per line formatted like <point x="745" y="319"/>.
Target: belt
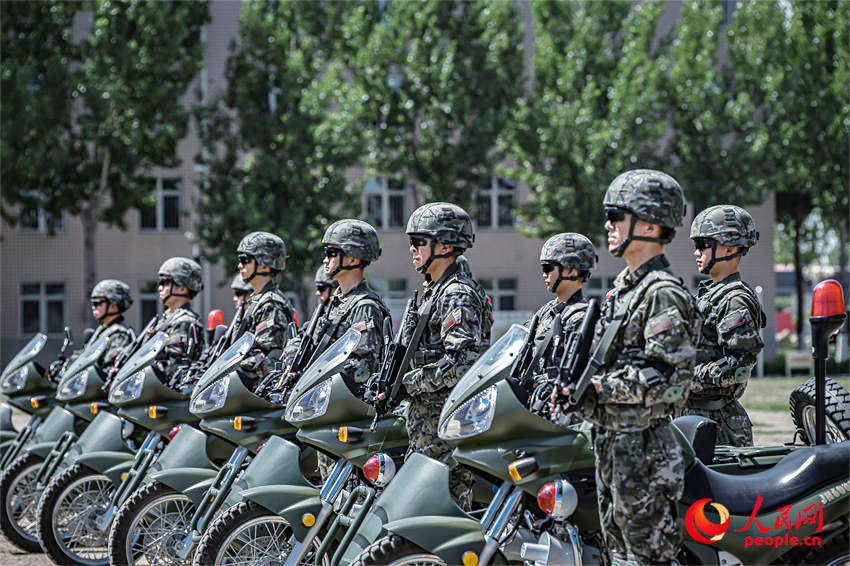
<point x="709" y="404"/>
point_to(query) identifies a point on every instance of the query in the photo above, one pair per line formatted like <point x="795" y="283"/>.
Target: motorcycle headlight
<point x="14" y="381"/>
<point x="211" y="398"/>
<point x="128" y="390"/>
<point x="473" y="417"/>
<point x="74" y="387"/>
<point x="311" y="404"/>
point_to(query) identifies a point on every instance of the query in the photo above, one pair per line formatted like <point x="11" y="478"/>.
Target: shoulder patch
<point x="734" y="319"/>
<point x="659" y="323"/>
<point x="451" y="320"/>
<point x="266" y="324"/>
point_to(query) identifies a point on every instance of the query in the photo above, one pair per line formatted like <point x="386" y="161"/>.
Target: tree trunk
<point x="798" y="280"/>
<point x="842" y="259"/>
<point x="89" y="219"/>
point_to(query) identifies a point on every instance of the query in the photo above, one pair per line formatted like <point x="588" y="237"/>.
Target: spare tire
<point x="802" y="404"/>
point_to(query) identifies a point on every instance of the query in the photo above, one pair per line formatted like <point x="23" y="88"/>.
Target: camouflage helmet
<point x="356" y="238"/>
<point x="183" y="271"/>
<point x="446" y="223"/>
<point x="322" y="278"/>
<point x="266" y="248"/>
<point x="238" y="286"/>
<point x="727" y="224"/>
<point x="652" y="196"/>
<point x="115" y="291"/>
<point x="570" y="250"/>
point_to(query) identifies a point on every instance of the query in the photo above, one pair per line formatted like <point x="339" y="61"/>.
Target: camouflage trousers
<point x="639" y="480"/>
<point x="733" y="424"/>
<point x="422" y="419"/>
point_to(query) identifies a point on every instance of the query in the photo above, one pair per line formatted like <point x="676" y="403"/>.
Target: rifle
<point x="575" y="368"/>
<point x="397" y="356"/>
<point x="128" y="352"/>
<point x="523" y="360"/>
<point x="307" y="349"/>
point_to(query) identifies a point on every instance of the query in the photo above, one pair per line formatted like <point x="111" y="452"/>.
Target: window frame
<point x="42" y="298"/>
<point x="497" y="187"/>
<point x="160" y="193"/>
<point x="148" y="296"/>
<point x="496" y="292"/>
<point x="41" y="221"/>
<point x="380" y="186"/>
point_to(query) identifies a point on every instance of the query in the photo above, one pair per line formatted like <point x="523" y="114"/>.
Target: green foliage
<point x="598" y="107"/>
<point x="282" y="136"/>
<point x="438" y="82"/>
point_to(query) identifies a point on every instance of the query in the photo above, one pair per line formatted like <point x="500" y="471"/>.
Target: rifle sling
<point x="539" y="351"/>
<point x="424" y="315"/>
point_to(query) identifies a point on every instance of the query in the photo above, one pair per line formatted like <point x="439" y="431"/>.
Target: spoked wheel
<point x="19" y="502"/>
<point x="396" y="551"/>
<point x="247" y="534"/>
<point x="69" y="512"/>
<point x="150" y="528"/>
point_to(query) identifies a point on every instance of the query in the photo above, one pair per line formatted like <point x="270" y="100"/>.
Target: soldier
<point x="730" y="341"/>
<point x="241" y="290"/>
<point x="646" y="343"/>
<point x="109" y="299"/>
<point x="325" y="286"/>
<point x="349" y="246"/>
<point x="267" y="313"/>
<point x="458" y="318"/>
<point x="179" y="282"/>
<point x="566" y="261"/>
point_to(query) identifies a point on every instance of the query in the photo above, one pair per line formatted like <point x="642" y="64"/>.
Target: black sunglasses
<point x="322" y="288"/>
<point x="702" y="243"/>
<point x="332" y="252"/>
<point x="98" y="302"/>
<point x="244" y="259"/>
<point x="163" y="281"/>
<point x="418" y="241"/>
<point x="613" y="214"/>
<point x="548" y="267"/>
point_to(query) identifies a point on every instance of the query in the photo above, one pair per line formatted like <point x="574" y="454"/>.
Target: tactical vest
<point x="708" y="348"/>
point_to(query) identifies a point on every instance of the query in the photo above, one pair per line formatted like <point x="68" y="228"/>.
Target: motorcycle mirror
<point x="218" y="333"/>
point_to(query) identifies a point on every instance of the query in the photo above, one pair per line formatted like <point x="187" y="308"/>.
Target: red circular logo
<point x="700" y="528"/>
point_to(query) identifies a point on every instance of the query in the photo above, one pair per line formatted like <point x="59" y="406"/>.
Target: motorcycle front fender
<point x="57" y="423"/>
<point x="192" y="482"/>
<point x="289" y="501"/>
<point x="111" y="464"/>
<point x="447" y="537"/>
<point x="103" y="435"/>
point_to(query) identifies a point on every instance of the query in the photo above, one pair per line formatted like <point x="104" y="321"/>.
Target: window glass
<point x="29" y="317"/>
<point x="55" y="316"/>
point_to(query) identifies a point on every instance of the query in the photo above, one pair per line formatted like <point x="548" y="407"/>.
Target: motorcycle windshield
<point x="86" y="358"/>
<point x="28" y="352"/>
<point x="226" y="362"/>
<point x="331" y="358"/>
<point x="144" y="356"/>
<point x="499" y="356"/>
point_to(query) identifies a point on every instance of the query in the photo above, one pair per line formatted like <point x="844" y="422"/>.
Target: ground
<point x="766" y="401"/>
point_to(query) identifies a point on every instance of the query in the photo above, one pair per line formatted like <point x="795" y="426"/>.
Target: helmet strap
<point x="553" y="288"/>
<point x="424" y="267"/>
<point x="342" y="267"/>
<point x="621" y="249"/>
<point x="714" y="259"/>
<point x="171" y="293"/>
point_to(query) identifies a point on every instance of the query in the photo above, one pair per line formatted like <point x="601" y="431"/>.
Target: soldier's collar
<point x="732" y="278"/>
<point x="658" y="262"/>
<point x="270" y="286"/>
<point x="450" y="270"/>
<point x="576" y="297"/>
<point x="351" y="291"/>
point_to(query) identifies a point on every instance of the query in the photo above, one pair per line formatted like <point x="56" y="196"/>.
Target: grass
<point x="771" y="393"/>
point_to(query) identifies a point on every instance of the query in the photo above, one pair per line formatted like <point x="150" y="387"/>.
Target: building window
<point x="43" y="308"/>
<point x="598" y="286"/>
<point x="149" y="303"/>
<point x="384" y="202"/>
<point x="502" y="291"/>
<point x="495" y="204"/>
<point x="42" y="221"/>
<point x="165" y="212"/>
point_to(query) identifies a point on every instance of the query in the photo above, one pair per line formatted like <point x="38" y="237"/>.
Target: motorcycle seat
<point x="795" y="475"/>
<point x="701" y="432"/>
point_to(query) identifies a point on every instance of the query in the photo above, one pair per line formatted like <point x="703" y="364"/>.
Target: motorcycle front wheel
<point x="19" y="501"/>
<point x="396" y="551"/>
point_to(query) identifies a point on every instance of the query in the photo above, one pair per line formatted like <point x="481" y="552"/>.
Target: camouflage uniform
<point x="182" y="324"/>
<point x="118" y="335"/>
<point x="643" y="381"/>
<point x="730" y="343"/>
<point x="457" y="333"/>
<point x="266" y="314"/>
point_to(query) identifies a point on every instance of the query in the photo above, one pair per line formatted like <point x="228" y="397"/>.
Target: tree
<point x="791" y="65"/>
<point x="280" y="139"/>
<point x="438" y="82"/>
<point x="85" y="121"/>
<point x="597" y="107"/>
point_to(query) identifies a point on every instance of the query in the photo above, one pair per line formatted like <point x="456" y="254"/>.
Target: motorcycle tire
<point x="62" y="530"/>
<point x="802" y="405"/>
<point x="171" y="513"/>
<point x="234" y="525"/>
<point x="396" y="551"/>
<point x="17" y="490"/>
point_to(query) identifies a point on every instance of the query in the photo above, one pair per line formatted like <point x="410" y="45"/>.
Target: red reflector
<point x="608" y="294"/>
<point x="295" y="314"/>
<point x="546" y="498"/>
<point x="828" y="299"/>
<point x="215" y="318"/>
<point x="379" y="469"/>
<point x="260" y="447"/>
<point x="173" y="432"/>
<point x="372" y="468"/>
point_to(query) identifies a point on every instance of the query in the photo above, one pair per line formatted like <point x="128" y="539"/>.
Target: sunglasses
<point x="97" y="302"/>
<point x="702" y="243"/>
<point x="548" y="267"/>
<point x="418" y="241"/>
<point x="331" y="253"/>
<point x="163" y="281"/>
<point x="322" y="288"/>
<point x="613" y="214"/>
<point x="244" y="259"/>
